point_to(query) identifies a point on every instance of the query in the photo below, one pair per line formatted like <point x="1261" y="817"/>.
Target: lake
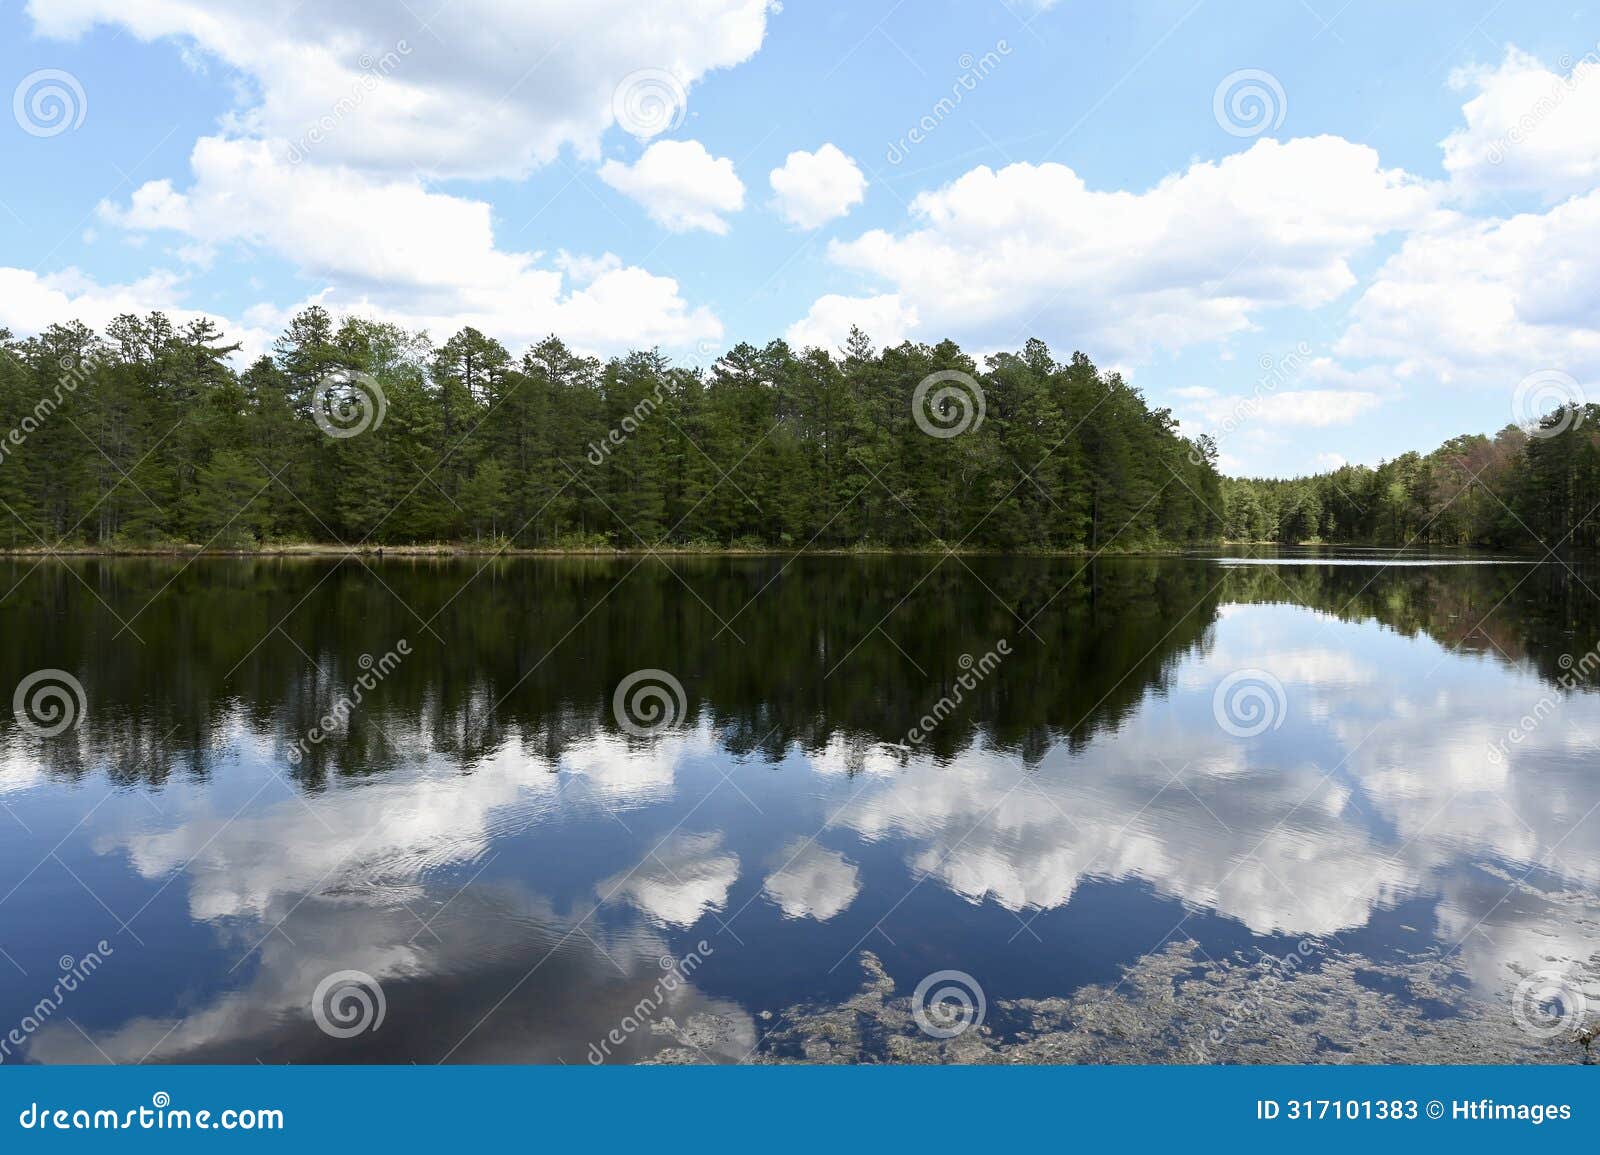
<point x="1310" y="807"/>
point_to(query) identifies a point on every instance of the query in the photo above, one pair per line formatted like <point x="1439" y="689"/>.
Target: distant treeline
<point x="356" y="431"/>
<point x="1517" y="490"/>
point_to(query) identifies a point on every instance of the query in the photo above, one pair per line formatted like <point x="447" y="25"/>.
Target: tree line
<point x="1520" y="489"/>
<point x="358" y="431"/>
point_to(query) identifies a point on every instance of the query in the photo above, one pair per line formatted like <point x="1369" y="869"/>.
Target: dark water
<point x="1247" y="756"/>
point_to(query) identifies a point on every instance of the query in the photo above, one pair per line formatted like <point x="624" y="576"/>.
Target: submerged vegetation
<point x="1174" y="1005"/>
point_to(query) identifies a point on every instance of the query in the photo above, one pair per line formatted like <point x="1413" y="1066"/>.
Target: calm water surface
<point x="1035" y="772"/>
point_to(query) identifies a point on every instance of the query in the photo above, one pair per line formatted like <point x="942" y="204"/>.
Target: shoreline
<point x="468" y="549"/>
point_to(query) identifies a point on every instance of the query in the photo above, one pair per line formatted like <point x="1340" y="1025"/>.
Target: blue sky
<point x="1398" y="248"/>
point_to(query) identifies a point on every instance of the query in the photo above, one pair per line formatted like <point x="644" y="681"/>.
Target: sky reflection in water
<point x="513" y="867"/>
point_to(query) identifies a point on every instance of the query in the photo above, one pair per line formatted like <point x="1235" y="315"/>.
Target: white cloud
<point x="1528" y="129"/>
<point x="996" y="257"/>
<point x="29" y="302"/>
<point x="1483" y="303"/>
<point x="682" y="879"/>
<point x="1313" y="408"/>
<point x="390" y="248"/>
<point x="489" y="88"/>
<point x="814" y="188"/>
<point x="826" y="325"/>
<point x="680" y="184"/>
<point x="812" y="882"/>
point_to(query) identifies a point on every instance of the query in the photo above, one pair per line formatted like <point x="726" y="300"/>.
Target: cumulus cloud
<point x="813" y="188"/>
<point x="488" y="88"/>
<point x="885" y="318"/>
<point x="1311" y="408"/>
<point x="995" y="257"/>
<point x="30" y="301"/>
<point x="1482" y="303"/>
<point x="390" y="248"/>
<point x="1528" y="128"/>
<point x="680" y="185"/>
<point x="351" y="108"/>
